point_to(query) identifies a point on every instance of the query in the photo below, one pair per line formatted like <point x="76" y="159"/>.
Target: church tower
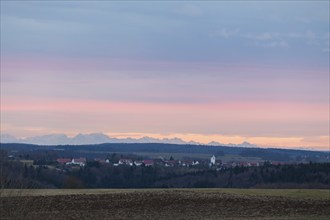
<point x="212" y="160"/>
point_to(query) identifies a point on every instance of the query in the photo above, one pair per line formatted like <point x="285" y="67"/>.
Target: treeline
<point x="98" y="175"/>
<point x="311" y="175"/>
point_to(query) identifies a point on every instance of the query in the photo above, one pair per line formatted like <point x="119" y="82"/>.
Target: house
<point x="187" y="163"/>
<point x="80" y="161"/>
<point x="63" y="160"/>
<point x="138" y="163"/>
<point x="148" y="163"/>
<point x="170" y="163"/>
<point x="254" y="164"/>
<point x="196" y="162"/>
<point x="159" y="161"/>
<point x="243" y="164"/>
<point x="125" y="162"/>
<point x="77" y="161"/>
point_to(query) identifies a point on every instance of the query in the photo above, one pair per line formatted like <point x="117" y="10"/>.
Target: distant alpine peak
<point x="246" y="144"/>
<point x="214" y="143"/>
<point x="100" y="138"/>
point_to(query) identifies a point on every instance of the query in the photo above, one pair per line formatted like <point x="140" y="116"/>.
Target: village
<point x="211" y="163"/>
<point x="79" y="169"/>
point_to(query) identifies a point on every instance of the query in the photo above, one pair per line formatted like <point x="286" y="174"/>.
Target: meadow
<point x="286" y="204"/>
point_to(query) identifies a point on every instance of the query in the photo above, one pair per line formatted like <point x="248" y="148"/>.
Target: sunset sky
<point x="203" y="71"/>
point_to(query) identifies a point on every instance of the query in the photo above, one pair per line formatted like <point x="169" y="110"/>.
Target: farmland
<point x="165" y="204"/>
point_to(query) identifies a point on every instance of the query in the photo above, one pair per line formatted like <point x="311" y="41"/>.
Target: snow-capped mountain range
<point x="99" y="138"/>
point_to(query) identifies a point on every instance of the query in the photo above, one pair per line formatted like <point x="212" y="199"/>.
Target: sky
<point x="203" y="71"/>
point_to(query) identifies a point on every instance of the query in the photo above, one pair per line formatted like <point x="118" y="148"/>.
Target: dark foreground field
<point x="165" y="204"/>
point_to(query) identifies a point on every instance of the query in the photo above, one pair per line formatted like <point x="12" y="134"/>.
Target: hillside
<point x="160" y="149"/>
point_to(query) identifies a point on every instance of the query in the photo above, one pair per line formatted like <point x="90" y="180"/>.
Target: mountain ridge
<point x="100" y="138"/>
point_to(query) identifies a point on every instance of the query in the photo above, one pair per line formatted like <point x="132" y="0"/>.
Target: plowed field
<point x="164" y="204"/>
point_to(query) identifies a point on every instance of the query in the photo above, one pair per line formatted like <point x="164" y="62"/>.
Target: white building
<point x="125" y="162"/>
<point x="138" y="163"/>
<point x="78" y="161"/>
<point x="212" y="163"/>
<point x="196" y="162"/>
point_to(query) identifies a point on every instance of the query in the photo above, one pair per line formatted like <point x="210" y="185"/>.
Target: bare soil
<point x="163" y="204"/>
